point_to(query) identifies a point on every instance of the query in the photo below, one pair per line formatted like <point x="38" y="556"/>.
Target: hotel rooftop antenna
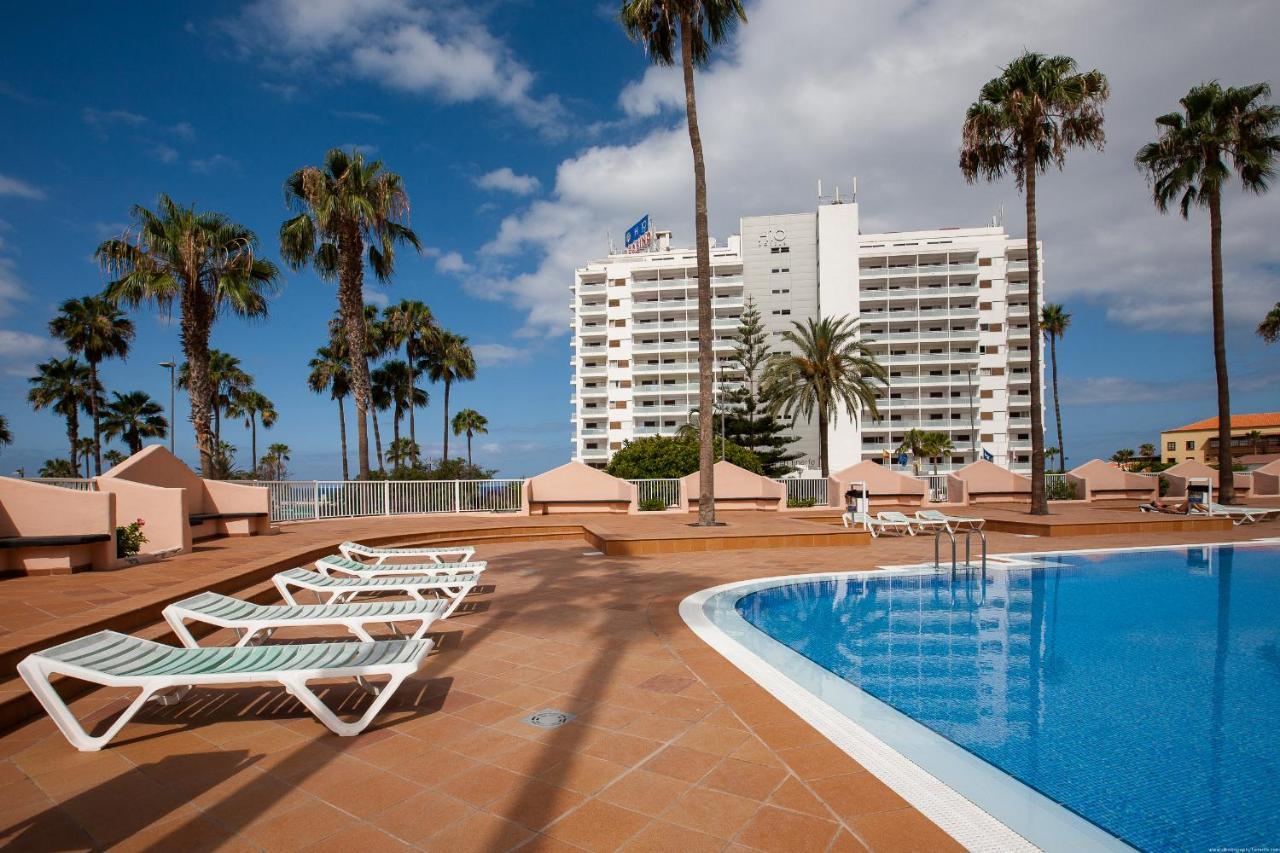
<point x="854" y="197"/>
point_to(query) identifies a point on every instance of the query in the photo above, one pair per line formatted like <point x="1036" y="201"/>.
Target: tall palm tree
<point x="1191" y="161"/>
<point x="1024" y="121"/>
<point x="378" y="342"/>
<point x="226" y="377"/>
<point x="208" y="265"/>
<point x="1269" y="328"/>
<point x="449" y="359"/>
<point x="113" y="457"/>
<point x="915" y="442"/>
<point x="391" y="381"/>
<point x="95" y="328"/>
<point x="6" y="437"/>
<point x="133" y="417"/>
<point x="59" y="468"/>
<point x="407" y="324"/>
<point x="1054" y="320"/>
<point x="255" y="408"/>
<point x="698" y="26"/>
<point x="63" y="385"/>
<point x="937" y="445"/>
<point x="1147" y="449"/>
<point x="344" y="206"/>
<point x="273" y="462"/>
<point x="1255" y="440"/>
<point x="403" y="453"/>
<point x="84" y="447"/>
<point x="472" y="423"/>
<point x="330" y="371"/>
<point x="828" y="369"/>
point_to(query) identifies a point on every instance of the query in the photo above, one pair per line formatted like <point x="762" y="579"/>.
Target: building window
<point x="1171" y="445"/>
<point x="1191" y="445"/>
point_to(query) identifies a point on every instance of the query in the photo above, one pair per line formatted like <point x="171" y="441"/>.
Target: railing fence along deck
<point x="805" y="489"/>
<point x="303" y="500"/>
<point x="76" y="483"/>
<point x="665" y="490"/>
<point x="936" y="484"/>
<point x="1052" y="481"/>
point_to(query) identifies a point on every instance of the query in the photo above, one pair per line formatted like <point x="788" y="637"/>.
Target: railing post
<point x="386" y="497"/>
<point x="315" y="500"/>
<point x="457" y="496"/>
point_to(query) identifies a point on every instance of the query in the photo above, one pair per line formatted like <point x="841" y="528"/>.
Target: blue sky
<point x="525" y="130"/>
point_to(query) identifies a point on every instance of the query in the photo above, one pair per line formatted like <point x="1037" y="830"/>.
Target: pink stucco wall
<point x="1266" y="480"/>
<point x="885" y="486"/>
<point x="1106" y="481"/>
<point x="1183" y="471"/>
<point x="161" y="509"/>
<point x="986" y="482"/>
<point x="576" y="487"/>
<point x="36" y="509"/>
<point x="737" y="488"/>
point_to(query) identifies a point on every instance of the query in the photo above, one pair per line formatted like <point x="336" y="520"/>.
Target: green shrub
<point x="129" y="539"/>
<point x="660" y="457"/>
<point x="1060" y="489"/>
<point x="653" y="505"/>
<point x="802" y="502"/>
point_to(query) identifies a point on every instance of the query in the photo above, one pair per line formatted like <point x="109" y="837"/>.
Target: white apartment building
<point x="945" y="311"/>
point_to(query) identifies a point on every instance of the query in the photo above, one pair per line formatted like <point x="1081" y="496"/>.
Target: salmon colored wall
<point x="885" y="486"/>
<point x="161" y="509"/>
<point x="985" y="482"/>
<point x="1266" y="480"/>
<point x="156" y="466"/>
<point x="737" y="488"/>
<point x="1104" y="481"/>
<point x="1183" y="471"/>
<point x="37" y="509"/>
<point x="577" y="487"/>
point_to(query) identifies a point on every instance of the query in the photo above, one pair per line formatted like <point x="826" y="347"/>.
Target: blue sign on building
<point x="638" y="233"/>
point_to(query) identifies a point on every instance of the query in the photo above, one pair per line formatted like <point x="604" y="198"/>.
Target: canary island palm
<point x="226" y="377"/>
<point x="407" y="324"/>
<point x="1023" y="122"/>
<point x="273" y="464"/>
<point x="132" y="417"/>
<point x="93" y="327"/>
<point x="449" y="359"/>
<point x="255" y="408"/>
<point x="472" y="423"/>
<point x="826" y="369"/>
<point x="207" y="265"/>
<point x="330" y="371"/>
<point x="64" y="386"/>
<point x="1054" y="320"/>
<point x="393" y="382"/>
<point x="345" y="207"/>
<point x="695" y="26"/>
<point x="1218" y="131"/>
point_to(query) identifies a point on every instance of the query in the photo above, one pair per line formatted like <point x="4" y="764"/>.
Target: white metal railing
<point x="665" y="490"/>
<point x="1052" y="481"/>
<point x="936" y="485"/>
<point x="76" y="483"/>
<point x="805" y="489"/>
<point x="298" y="500"/>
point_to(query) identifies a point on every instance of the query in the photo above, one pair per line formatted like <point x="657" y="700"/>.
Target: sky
<point x="527" y="131"/>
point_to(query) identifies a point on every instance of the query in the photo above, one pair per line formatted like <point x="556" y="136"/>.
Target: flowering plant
<point x="130" y="538"/>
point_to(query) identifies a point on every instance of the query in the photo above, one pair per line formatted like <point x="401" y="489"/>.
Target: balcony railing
<point x="304" y="500"/>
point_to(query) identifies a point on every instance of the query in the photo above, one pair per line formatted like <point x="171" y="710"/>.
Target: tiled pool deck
<point x="672" y="749"/>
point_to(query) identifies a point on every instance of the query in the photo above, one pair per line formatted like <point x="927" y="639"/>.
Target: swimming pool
<point x="1139" y="690"/>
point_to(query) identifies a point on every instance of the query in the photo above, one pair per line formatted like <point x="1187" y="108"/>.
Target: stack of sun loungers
<point x="165" y="673"/>
<point x="924" y="521"/>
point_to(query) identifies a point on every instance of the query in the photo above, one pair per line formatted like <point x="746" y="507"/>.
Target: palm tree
<point x="391" y="383"/>
<point x="84" y="447"/>
<point x="1191" y="161"/>
<point x="937" y="445"/>
<point x="1054" y="320"/>
<point x="378" y="343"/>
<point x="273" y="462"/>
<point x="208" y="265"/>
<point x="698" y="26"/>
<point x="1147" y="449"/>
<point x="1269" y="328"/>
<point x="113" y="457"/>
<point x="472" y="423"/>
<point x="829" y="368"/>
<point x="330" y="371"/>
<point x="133" y="417"/>
<point x="449" y="359"/>
<point x="403" y="453"/>
<point x="95" y="328"/>
<point x="407" y="324"/>
<point x="1024" y="121"/>
<point x="1123" y="456"/>
<point x="59" y="469"/>
<point x="226" y="377"/>
<point x="6" y="437"/>
<point x="1255" y="440"/>
<point x="343" y="206"/>
<point x="255" y="408"/>
<point x="63" y="384"/>
<point x="915" y="442"/>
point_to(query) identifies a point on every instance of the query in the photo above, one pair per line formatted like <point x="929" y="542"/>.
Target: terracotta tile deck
<point x="672" y="749"/>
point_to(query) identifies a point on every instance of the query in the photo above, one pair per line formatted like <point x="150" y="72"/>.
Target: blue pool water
<point x="1141" y="689"/>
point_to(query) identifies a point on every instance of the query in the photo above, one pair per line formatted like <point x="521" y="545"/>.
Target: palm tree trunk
<point x="73" y="433"/>
<point x="216" y="411"/>
<point x="342" y="432"/>
<point x="93" y="411"/>
<point x="822" y="441"/>
<point x="445" y="456"/>
<point x="1039" y="500"/>
<point x="408" y="357"/>
<point x="196" y="317"/>
<point x="706" y="351"/>
<point x="253" y="445"/>
<point x="1057" y="406"/>
<point x="1226" y="479"/>
<point x="351" y="304"/>
<point x="377" y="437"/>
<point x="469" y="465"/>
<point x="395" y="435"/>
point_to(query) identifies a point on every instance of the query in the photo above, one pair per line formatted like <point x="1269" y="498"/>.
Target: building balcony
<point x="929" y="358"/>
<point x="897" y="337"/>
<point x="717" y="282"/>
<point x="723" y="345"/>
<point x="684" y="305"/>
<point x="883" y="316"/>
<point x="925" y="424"/>
<point x="881" y="294"/>
<point x="916" y="270"/>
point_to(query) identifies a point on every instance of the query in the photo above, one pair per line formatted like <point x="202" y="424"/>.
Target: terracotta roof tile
<point x="1258" y="420"/>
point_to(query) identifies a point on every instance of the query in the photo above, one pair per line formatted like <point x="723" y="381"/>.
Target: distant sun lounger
<point x="951" y="523"/>
<point x="160" y="671"/>
<point x="343" y="566"/>
<point x="454" y="587"/>
<point x="351" y="550"/>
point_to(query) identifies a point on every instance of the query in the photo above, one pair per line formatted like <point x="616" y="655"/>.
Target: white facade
<point x="945" y="311"/>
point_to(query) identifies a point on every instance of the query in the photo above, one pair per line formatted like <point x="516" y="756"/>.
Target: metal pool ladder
<point x="968" y="542"/>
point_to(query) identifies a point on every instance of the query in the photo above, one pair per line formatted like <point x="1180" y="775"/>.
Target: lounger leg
<point x="424" y="625"/>
<point x="285" y="592"/>
<point x="360" y="632"/>
<point x="180" y="630"/>
<point x="298" y="688"/>
<point x="37" y="678"/>
<point x="454" y="601"/>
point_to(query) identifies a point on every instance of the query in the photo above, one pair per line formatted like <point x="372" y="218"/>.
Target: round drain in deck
<point x="548" y="718"/>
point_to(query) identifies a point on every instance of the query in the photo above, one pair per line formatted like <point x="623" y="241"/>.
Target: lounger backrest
<point x="893" y="516"/>
<point x="930" y="515"/>
<point x="453" y="578"/>
<point x="432" y="568"/>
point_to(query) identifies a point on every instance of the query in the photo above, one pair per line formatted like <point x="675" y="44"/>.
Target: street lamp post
<point x="171" y="364"/>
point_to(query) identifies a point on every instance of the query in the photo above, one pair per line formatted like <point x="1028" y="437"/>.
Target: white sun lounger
<point x="118" y="660"/>
<point x="1238" y="514"/>
<point x="877" y="525"/>
<point x="343" y="566"/>
<point x="350" y="550"/>
<point x="952" y="523"/>
<point x="454" y="587"/>
<point x="253" y="621"/>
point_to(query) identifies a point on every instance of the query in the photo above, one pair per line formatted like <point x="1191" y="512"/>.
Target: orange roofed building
<point x="1251" y="435"/>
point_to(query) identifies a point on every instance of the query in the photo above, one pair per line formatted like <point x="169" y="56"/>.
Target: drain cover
<point x="548" y="718"/>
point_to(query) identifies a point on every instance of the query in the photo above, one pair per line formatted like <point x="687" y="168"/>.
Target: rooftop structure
<point x="1198" y="442"/>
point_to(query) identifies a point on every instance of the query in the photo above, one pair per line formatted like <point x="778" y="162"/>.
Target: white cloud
<point x="208" y="164"/>
<point x="373" y="296"/>
<point x="12" y="288"/>
<point x="452" y="263"/>
<point x="440" y="50"/>
<point x="283" y="91"/>
<point x="359" y="148"/>
<point x="499" y="355"/>
<point x="19" y="188"/>
<point x="165" y="153"/>
<point x="16" y="344"/>
<point x="102" y="121"/>
<point x="789" y="102"/>
<point x="506" y="180"/>
<point x="357" y="115"/>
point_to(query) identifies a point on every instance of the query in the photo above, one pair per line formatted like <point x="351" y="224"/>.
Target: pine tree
<point x="748" y="422"/>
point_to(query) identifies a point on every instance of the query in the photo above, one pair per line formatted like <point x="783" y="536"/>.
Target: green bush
<point x="129" y="539"/>
<point x="653" y="505"/>
<point x="1060" y="489"/>
<point x="802" y="502"/>
<point x="660" y="457"/>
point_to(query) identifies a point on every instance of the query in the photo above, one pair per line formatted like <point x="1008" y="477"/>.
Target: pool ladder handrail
<point x="968" y="544"/>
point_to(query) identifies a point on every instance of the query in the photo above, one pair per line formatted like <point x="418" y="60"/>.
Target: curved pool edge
<point x="977" y="804"/>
